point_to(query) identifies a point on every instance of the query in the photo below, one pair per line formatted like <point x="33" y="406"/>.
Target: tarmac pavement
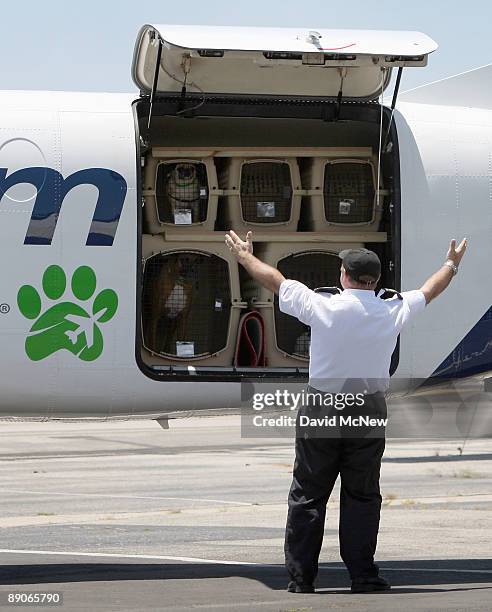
<point x="128" y="516"/>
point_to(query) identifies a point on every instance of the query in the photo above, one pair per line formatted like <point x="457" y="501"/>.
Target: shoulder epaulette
<point x="388" y="294"/>
<point x="332" y="290"/>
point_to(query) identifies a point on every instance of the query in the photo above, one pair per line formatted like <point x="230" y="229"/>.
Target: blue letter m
<point x="51" y="190"/>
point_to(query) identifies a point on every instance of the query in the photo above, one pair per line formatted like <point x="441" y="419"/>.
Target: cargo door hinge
<point x="343" y="74"/>
<point x="156" y="78"/>
<point x="393" y="104"/>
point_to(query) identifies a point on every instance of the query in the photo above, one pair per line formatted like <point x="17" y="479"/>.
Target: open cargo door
<point x="273" y="61"/>
<point x="266" y="152"/>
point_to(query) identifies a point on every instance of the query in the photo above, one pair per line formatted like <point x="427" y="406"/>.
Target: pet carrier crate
<point x="190" y="303"/>
<point x="261" y="193"/>
<point x="342" y="193"/>
<point x="179" y="192"/>
<point x="287" y="339"/>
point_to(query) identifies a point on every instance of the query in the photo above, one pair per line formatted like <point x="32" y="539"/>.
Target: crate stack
<point x="190" y="296"/>
<point x="194" y="291"/>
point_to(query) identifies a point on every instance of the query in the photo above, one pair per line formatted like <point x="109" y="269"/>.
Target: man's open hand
<point x="455" y="254"/>
<point x="239" y="248"/>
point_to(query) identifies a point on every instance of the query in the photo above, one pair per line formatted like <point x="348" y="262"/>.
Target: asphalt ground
<point x="128" y="516"/>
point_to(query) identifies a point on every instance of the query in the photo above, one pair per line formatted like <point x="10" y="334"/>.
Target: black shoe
<point x="370" y="585"/>
<point x="293" y="587"/>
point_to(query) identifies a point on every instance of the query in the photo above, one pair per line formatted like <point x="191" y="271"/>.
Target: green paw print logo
<point x="67" y="325"/>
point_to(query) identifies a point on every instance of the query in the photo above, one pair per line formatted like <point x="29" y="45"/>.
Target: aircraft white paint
<point x="444" y="141"/>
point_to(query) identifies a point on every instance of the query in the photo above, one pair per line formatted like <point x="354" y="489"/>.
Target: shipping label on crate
<point x="218" y="304"/>
<point x="345" y="206"/>
<point x="183" y="216"/>
<point x="265" y="209"/>
<point x="184" y="348"/>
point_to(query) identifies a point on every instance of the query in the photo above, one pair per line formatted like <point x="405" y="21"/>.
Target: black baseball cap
<point x="361" y="262"/>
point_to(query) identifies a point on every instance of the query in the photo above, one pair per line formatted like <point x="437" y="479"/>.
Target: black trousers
<point x="318" y="462"/>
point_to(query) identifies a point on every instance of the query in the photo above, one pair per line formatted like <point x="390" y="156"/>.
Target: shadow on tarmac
<point x="408" y="578"/>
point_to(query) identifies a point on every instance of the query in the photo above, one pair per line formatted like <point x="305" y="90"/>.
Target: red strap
<point x="250" y="346"/>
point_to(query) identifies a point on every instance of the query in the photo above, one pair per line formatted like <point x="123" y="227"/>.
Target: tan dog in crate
<point x="171" y="299"/>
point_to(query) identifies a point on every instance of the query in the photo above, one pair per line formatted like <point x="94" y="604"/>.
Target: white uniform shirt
<point x="353" y="334"/>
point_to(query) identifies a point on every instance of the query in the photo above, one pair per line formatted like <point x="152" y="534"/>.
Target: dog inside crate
<point x="313" y="269"/>
<point x="186" y="304"/>
<point x="349" y="192"/>
<point x="182" y="192"/>
<point x="266" y="192"/>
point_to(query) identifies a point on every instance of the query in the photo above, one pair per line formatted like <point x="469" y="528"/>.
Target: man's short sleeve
<point x="296" y="299"/>
<point x="413" y="303"/>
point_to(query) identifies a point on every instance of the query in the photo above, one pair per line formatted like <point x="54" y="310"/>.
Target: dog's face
<point x="184" y="174"/>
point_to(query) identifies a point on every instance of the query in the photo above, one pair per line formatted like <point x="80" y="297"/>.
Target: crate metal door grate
<point x="182" y="192"/>
<point x="186" y="304"/>
<point x="349" y="192"/>
<point x="314" y="269"/>
<point x="266" y="192"/>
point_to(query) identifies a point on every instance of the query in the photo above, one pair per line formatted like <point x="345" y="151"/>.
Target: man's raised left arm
<point x="266" y="275"/>
<point x="295" y="298"/>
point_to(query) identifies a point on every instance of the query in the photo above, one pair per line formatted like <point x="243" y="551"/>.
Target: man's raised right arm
<point x="436" y="284"/>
